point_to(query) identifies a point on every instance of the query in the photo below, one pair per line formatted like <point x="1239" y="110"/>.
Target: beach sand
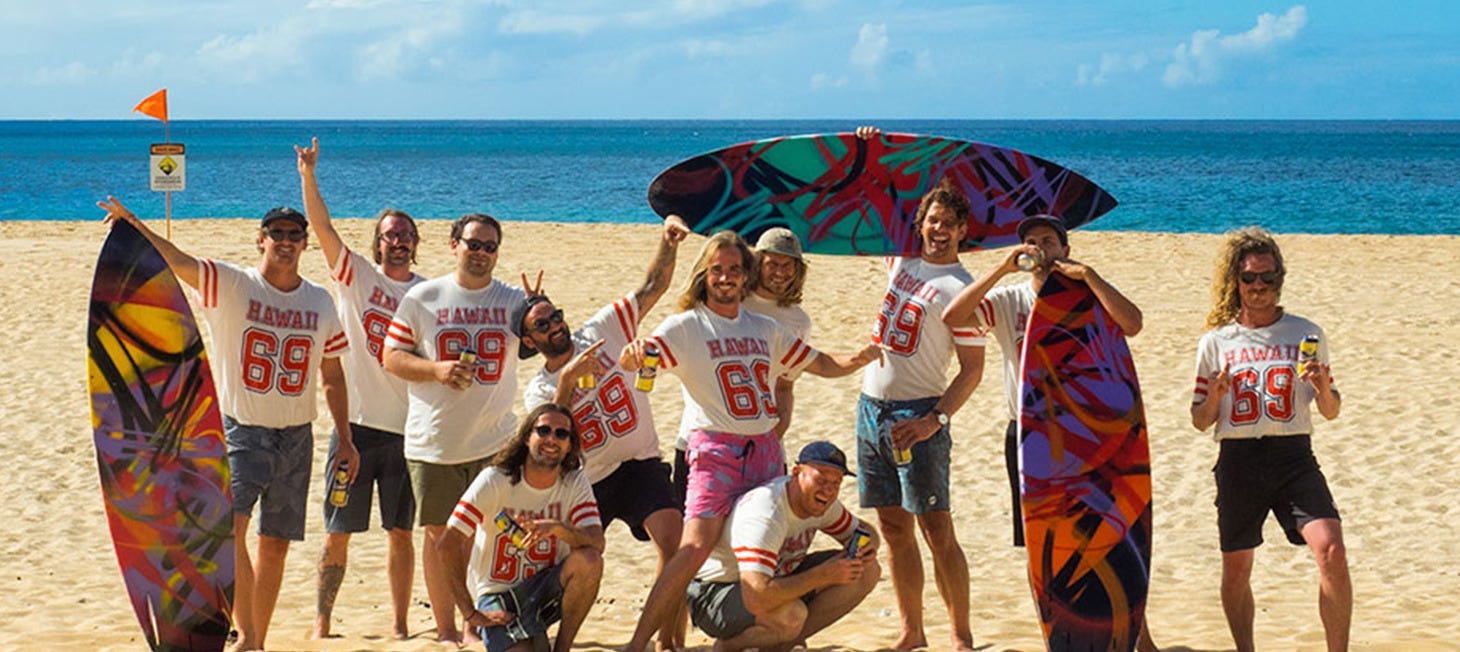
<point x="1389" y="305"/>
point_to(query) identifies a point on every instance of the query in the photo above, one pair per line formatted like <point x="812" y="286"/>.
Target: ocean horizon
<point x="1291" y="176"/>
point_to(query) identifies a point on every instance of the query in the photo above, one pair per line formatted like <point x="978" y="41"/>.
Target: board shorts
<point x="1011" y="464"/>
<point x="382" y="467"/>
<point x="636" y="489"/>
<point x="537" y="602"/>
<point x="1269" y="474"/>
<point x="718" y="608"/>
<point x="918" y="487"/>
<point x="723" y="466"/>
<point x="270" y="467"/>
<point x="438" y="487"/>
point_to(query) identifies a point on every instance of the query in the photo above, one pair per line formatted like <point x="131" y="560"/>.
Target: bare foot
<point x="321" y="630"/>
<point x="910" y="641"/>
<point x="471" y="637"/>
<point x="452" y="638"/>
<point x="400" y="632"/>
<point x="962" y="644"/>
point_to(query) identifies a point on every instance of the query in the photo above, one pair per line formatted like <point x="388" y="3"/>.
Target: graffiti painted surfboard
<point x="159" y="447"/>
<point x="844" y="195"/>
<point x="1086" y="473"/>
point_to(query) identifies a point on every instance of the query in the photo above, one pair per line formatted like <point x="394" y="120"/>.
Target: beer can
<point x="340" y="486"/>
<point x="860" y="539"/>
<point x="514" y="531"/>
<point x="1029" y="262"/>
<point x="903" y="456"/>
<point x="1307" y="352"/>
<point x="649" y="370"/>
<point x="587" y="381"/>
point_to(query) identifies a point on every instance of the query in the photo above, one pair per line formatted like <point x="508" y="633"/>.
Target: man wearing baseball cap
<point x="759" y="587"/>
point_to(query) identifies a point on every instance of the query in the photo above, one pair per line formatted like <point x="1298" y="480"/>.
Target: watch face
<point x="942" y="418"/>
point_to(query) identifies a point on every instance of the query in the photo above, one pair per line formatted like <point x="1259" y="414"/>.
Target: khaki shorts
<point x="438" y="487"/>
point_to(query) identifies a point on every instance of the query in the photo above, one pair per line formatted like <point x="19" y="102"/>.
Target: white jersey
<point x="267" y="343"/>
<point x="910" y="324"/>
<point x="1004" y="311"/>
<point x="728" y="367"/>
<point x="437" y="319"/>
<point x="496" y="565"/>
<point x="614" y="420"/>
<point x="1267" y="398"/>
<point x="764" y="536"/>
<point x="367" y="301"/>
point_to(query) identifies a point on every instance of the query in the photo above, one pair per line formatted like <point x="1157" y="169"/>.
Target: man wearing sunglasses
<point x="1005" y="310"/>
<point x="459" y="411"/>
<point x="273" y="331"/>
<point x="1255" y="384"/>
<point x="620" y="446"/>
<point x="368" y="294"/>
<point x="535" y="538"/>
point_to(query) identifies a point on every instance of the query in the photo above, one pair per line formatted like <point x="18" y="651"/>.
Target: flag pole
<point x="167" y="194"/>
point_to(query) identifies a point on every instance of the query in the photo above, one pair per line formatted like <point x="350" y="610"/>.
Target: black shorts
<point x="536" y="603"/>
<point x="1011" y="464"/>
<point x="382" y="468"/>
<point x="1270" y="474"/>
<point x="681" y="477"/>
<point x="636" y="489"/>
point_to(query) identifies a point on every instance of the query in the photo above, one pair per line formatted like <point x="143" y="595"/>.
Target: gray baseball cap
<point x="781" y="241"/>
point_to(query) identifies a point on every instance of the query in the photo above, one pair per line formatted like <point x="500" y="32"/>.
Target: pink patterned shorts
<point x="722" y="466"/>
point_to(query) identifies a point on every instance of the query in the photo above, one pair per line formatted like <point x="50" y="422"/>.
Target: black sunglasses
<point x="1267" y="277"/>
<point x="546" y="324"/>
<point x="280" y="235"/>
<point x="561" y="433"/>
<point x="480" y="245"/>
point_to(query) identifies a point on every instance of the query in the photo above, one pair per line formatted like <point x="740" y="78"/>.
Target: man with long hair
<point x="1255" y="383"/>
<point x="531" y="523"/>
<point x="367" y="296"/>
<point x="727" y="359"/>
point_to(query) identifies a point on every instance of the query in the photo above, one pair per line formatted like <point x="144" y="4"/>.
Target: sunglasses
<point x="546" y="324"/>
<point x="562" y="434"/>
<point x="403" y="236"/>
<point x="480" y="245"/>
<point x="1267" y="277"/>
<point x="280" y="235"/>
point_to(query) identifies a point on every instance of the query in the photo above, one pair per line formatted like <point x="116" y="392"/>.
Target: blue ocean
<point x="1174" y="176"/>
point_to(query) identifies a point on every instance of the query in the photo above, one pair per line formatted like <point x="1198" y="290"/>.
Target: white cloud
<point x="70" y="74"/>
<point x="583" y="18"/>
<point x="823" y="81"/>
<point x="256" y="55"/>
<point x="871" y="48"/>
<point x="1111" y="63"/>
<point x="1200" y="60"/>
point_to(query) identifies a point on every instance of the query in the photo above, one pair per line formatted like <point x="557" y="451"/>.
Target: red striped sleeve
<point x="208" y="286"/>
<point x="467" y="513"/>
<point x="760" y="556"/>
<point x="968" y="337"/>
<point x="583" y="512"/>
<point x="986" y="311"/>
<point x="400" y="332"/>
<point x="842" y="525"/>
<point x="1201" y="386"/>
<point x="624" y="310"/>
<point x="339" y="342"/>
<point x="796" y="355"/>
<point x="666" y="355"/>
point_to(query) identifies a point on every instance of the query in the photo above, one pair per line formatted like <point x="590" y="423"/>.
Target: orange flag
<point x="155" y="105"/>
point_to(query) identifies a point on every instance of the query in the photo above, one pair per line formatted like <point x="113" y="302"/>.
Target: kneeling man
<point x="759" y="588"/>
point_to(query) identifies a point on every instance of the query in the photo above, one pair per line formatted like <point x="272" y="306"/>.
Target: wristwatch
<point x="942" y="418"/>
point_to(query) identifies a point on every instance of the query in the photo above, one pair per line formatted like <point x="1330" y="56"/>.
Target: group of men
<point x="419" y="377"/>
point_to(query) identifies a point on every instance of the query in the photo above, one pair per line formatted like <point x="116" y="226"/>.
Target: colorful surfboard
<point x="1086" y="470"/>
<point x="159" y="446"/>
<point x="844" y="195"/>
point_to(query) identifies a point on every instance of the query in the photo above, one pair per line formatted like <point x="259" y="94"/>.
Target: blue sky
<point x="396" y="59"/>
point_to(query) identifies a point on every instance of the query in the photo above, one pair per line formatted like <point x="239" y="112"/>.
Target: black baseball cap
<point x="1044" y="219"/>
<point x="519" y="315"/>
<point x="826" y="454"/>
<point x="284" y="213"/>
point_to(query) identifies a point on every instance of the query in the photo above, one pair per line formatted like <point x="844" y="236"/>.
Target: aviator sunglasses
<point x="1267" y="277"/>
<point x="280" y="235"/>
<point x="546" y="324"/>
<point x="562" y="434"/>
<point x="480" y="245"/>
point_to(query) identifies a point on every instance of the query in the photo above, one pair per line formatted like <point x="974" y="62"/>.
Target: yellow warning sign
<point x="168" y="167"/>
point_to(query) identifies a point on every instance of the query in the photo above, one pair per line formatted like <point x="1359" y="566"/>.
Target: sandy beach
<point x="1388" y="303"/>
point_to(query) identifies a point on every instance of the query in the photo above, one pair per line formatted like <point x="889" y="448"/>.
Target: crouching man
<point x="759" y="588"/>
<point x="536" y="543"/>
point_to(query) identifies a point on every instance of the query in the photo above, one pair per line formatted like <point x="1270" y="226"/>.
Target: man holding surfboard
<point x="903" y="438"/>
<point x="451" y="341"/>
<point x="368" y="295"/>
<point x="727" y="358"/>
<point x="273" y="333"/>
<point x="1256" y="383"/>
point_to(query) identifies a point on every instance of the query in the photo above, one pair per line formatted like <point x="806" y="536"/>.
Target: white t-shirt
<point x="910" y="324"/>
<point x="436" y="320"/>
<point x="268" y="344"/>
<point x="496" y="565"/>
<point x="728" y="367"/>
<point x="764" y="536"/>
<point x="1005" y="311"/>
<point x="614" y="419"/>
<point x="367" y="301"/>
<point x="1266" y="398"/>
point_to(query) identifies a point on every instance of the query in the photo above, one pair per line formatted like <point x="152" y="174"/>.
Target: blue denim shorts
<point x="269" y="467"/>
<point x="918" y="487"/>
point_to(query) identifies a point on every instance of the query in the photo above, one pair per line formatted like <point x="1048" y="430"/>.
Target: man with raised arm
<point x="620" y="446"/>
<point x="459" y="411"/>
<point x="274" y="332"/>
<point x="367" y="293"/>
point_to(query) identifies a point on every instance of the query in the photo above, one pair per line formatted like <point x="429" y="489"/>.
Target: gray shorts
<point x="438" y="487"/>
<point x="382" y="472"/>
<point x="919" y="487"/>
<point x="269" y="467"/>
<point x="718" y="608"/>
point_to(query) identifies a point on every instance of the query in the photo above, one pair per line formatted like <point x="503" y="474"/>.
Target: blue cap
<point x="824" y="453"/>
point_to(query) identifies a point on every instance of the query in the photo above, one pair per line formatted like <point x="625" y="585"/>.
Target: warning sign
<point x="167" y="167"/>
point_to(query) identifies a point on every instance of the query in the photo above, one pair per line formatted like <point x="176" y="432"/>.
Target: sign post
<point x="168" y="170"/>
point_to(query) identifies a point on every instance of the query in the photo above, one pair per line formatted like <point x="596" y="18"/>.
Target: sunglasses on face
<point x="562" y="434"/>
<point x="280" y="235"/>
<point x="1267" y="277"/>
<point x="546" y="324"/>
<point x="403" y="236"/>
<point x="480" y="245"/>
